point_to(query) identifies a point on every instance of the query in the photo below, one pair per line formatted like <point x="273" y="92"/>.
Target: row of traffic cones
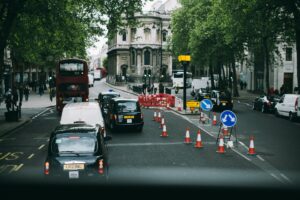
<point x="198" y="144"/>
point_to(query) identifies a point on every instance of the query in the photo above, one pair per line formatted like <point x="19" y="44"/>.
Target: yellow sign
<point x="184" y="58"/>
<point x="193" y="104"/>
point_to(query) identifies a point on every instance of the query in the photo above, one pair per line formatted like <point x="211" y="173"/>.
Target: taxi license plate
<point x="129" y="121"/>
<point x="206" y="97"/>
<point x="129" y="117"/>
<point x="73" y="166"/>
<point x="73" y="174"/>
<point x="224" y="104"/>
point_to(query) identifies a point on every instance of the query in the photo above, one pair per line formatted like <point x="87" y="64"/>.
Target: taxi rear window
<point x="74" y="143"/>
<point x="127" y="106"/>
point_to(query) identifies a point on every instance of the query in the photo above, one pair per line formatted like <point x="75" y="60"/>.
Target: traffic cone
<point x="221" y="148"/>
<point x="154" y="116"/>
<point x="162" y="122"/>
<point x="164" y="132"/>
<point x="179" y="106"/>
<point x="159" y="117"/>
<point x="198" y="141"/>
<point x="251" y="150"/>
<point x="187" y="139"/>
<point x="225" y="130"/>
<point x="214" y="122"/>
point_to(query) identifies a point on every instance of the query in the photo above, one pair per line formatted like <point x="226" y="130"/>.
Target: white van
<point x="288" y="106"/>
<point x="87" y="112"/>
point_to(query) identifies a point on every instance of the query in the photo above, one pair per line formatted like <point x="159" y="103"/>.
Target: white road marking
<point x="29" y="157"/>
<point x="41" y="113"/>
<point x="41" y="146"/>
<point x="276" y="177"/>
<point x="286" y="178"/>
<point x="241" y="155"/>
<point x="260" y="158"/>
<point x="151" y="144"/>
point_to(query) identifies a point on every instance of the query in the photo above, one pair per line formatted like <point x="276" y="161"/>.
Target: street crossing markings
<point x="29" y="157"/>
<point x="42" y="146"/>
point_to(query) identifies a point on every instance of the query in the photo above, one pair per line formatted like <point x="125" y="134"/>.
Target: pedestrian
<point x="144" y="88"/>
<point x="8" y="99"/>
<point x="41" y="89"/>
<point x="52" y="93"/>
<point x="26" y="92"/>
<point x="15" y="99"/>
<point x="245" y="85"/>
<point x="241" y="85"/>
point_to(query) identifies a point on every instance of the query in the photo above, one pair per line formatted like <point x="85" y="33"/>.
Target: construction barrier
<point x="157" y="100"/>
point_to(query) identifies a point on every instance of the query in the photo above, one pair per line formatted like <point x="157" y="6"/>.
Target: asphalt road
<point x="148" y="158"/>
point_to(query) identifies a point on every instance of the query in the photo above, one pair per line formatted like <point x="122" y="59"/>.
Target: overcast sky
<point x="95" y="50"/>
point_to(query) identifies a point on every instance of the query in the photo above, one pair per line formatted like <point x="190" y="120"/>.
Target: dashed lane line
<point x="29" y="157"/>
<point x="41" y="113"/>
<point x="42" y="146"/>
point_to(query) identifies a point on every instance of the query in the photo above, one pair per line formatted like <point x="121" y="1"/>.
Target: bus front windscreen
<point x="71" y="69"/>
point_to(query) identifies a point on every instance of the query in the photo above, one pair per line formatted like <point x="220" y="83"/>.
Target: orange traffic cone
<point x="164" y="132"/>
<point x="187" y="139"/>
<point x="225" y="130"/>
<point x="221" y="148"/>
<point x="251" y="150"/>
<point x="179" y="106"/>
<point x="154" y="116"/>
<point x="162" y="122"/>
<point x="214" y="122"/>
<point x="159" y="117"/>
<point x="198" y="141"/>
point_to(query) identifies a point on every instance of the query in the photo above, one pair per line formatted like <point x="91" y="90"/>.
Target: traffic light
<point x="145" y="72"/>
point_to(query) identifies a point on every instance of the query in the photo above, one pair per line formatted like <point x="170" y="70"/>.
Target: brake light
<point x="46" y="170"/>
<point x="101" y="168"/>
<point x="115" y="117"/>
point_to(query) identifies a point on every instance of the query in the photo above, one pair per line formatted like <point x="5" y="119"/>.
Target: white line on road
<point x="260" y="158"/>
<point x="150" y="144"/>
<point x="29" y="157"/>
<point x="41" y="113"/>
<point x="276" y="177"/>
<point x="285" y="177"/>
<point x="41" y="146"/>
<point x="241" y="155"/>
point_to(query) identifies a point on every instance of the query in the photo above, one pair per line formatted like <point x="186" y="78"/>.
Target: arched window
<point x="147" y="57"/>
<point x="164" y="36"/>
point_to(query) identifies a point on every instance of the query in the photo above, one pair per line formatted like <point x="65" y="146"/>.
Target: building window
<point x="133" y="56"/>
<point x="147" y="57"/>
<point x="124" y="34"/>
<point x="288" y="54"/>
<point x="133" y="33"/>
<point x="147" y="33"/>
<point x="165" y="33"/>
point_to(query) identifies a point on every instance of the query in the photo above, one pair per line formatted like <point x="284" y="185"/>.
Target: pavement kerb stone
<point x="13" y="128"/>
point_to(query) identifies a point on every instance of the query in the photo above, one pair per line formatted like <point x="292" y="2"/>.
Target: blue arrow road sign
<point x="228" y="118"/>
<point x="206" y="104"/>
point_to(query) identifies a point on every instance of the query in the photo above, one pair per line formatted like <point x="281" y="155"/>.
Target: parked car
<point x="202" y="93"/>
<point x="87" y="112"/>
<point x="103" y="99"/>
<point x="124" y="113"/>
<point x="221" y="100"/>
<point x="76" y="151"/>
<point x="288" y="106"/>
<point x="265" y="103"/>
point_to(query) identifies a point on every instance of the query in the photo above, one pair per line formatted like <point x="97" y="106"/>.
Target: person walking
<point x="26" y="92"/>
<point x="41" y="89"/>
<point x="52" y="93"/>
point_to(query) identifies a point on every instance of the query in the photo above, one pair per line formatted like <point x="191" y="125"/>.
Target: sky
<point x="96" y="48"/>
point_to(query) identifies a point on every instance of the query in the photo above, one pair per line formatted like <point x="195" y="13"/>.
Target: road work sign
<point x="193" y="104"/>
<point x="206" y="104"/>
<point x="228" y="118"/>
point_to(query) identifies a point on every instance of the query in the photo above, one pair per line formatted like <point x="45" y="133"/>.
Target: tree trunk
<point x="211" y="74"/>
<point x="267" y="63"/>
<point x="235" y="84"/>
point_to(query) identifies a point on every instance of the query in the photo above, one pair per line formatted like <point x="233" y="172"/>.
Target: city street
<point x="147" y="158"/>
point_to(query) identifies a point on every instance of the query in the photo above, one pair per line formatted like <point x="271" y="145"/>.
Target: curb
<point x="110" y="85"/>
<point x="8" y="131"/>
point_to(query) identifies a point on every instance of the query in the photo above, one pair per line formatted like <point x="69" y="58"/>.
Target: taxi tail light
<point x="101" y="167"/>
<point x="46" y="169"/>
<point x="115" y="117"/>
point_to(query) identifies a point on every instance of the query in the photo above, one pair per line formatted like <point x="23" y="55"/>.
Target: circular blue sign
<point x="206" y="104"/>
<point x="228" y="118"/>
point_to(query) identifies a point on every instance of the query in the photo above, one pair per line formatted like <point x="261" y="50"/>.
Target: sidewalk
<point x="34" y="105"/>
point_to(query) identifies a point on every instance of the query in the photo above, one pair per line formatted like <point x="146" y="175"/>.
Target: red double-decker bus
<point x="72" y="83"/>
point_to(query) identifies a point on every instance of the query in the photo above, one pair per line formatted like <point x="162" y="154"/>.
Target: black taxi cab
<point x="76" y="151"/>
<point x="124" y="113"/>
<point x="103" y="99"/>
<point x="221" y="100"/>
